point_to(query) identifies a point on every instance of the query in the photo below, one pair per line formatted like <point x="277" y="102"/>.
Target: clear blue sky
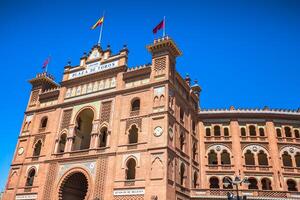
<point x="244" y="53"/>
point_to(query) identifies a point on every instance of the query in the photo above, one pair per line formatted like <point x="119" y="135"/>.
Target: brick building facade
<point x="108" y="131"/>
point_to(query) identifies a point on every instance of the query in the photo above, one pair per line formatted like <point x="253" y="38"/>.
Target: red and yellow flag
<point x="98" y="23"/>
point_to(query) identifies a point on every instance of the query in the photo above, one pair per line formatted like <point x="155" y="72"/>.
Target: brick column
<point x="236" y="147"/>
<point x="70" y="138"/>
<point x="94" y="136"/>
<point x="274" y="154"/>
<point x="202" y="153"/>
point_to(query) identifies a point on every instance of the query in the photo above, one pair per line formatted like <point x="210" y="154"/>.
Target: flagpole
<point x="164" y="31"/>
<point x="101" y="29"/>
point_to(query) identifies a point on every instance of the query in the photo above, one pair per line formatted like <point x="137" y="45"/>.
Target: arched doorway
<point x="74" y="187"/>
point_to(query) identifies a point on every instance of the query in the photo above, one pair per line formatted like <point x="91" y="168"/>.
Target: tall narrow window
<point x="207" y="130"/>
<point x="262" y="159"/>
<point x="297" y="159"/>
<point x="103" y="137"/>
<point x="252" y="130"/>
<point x="195" y="180"/>
<point x="296" y="133"/>
<point x="181" y="115"/>
<point x="212" y="158"/>
<point x="226" y="131"/>
<point x="37" y="148"/>
<point x="217" y="131"/>
<point x="44" y="122"/>
<point x="225" y="158"/>
<point x="261" y="132"/>
<point x="193" y="127"/>
<point x="133" y="135"/>
<point x="249" y="158"/>
<point x="62" y="143"/>
<point x="30" y="178"/>
<point x="243" y="132"/>
<point x="182" y="140"/>
<point x="287" y="131"/>
<point x="194" y="150"/>
<point x="278" y="132"/>
<point x="130" y="169"/>
<point x="182" y="174"/>
<point x="135" y="105"/>
<point x="84" y="126"/>
<point x="287" y="159"/>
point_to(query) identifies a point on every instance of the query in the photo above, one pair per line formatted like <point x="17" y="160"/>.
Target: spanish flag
<point x="98" y="23"/>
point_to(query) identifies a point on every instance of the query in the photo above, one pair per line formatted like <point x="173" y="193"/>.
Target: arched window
<point x="297" y="135"/>
<point x="207" y="130"/>
<point x="227" y="179"/>
<point x="30" y="178"/>
<point x="266" y="184"/>
<point x="261" y="132"/>
<point x="83" y="129"/>
<point x="297" y="159"/>
<point x="37" y="148"/>
<point x="249" y="158"/>
<point x="262" y="158"/>
<point x="214" y="182"/>
<point x="253" y="184"/>
<point x="226" y="131"/>
<point x="182" y="174"/>
<point x="135" y="105"/>
<point x="62" y="143"/>
<point x="133" y="135"/>
<point x="212" y="158"/>
<point x="287" y="131"/>
<point x="130" y="169"/>
<point x="195" y="180"/>
<point x="292" y="185"/>
<point x="252" y="130"/>
<point x="217" y="131"/>
<point x="194" y="150"/>
<point x="103" y="137"/>
<point x="278" y="132"/>
<point x="243" y="132"/>
<point x="182" y="141"/>
<point x="287" y="159"/>
<point x="225" y="158"/>
<point x="44" y="122"/>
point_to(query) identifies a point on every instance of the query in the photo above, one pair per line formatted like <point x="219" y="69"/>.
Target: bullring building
<point x="108" y="131"/>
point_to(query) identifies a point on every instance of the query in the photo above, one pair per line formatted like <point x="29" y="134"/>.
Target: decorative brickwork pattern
<point x="100" y="178"/>
<point x="49" y="181"/>
<point x="160" y="66"/>
<point x="66" y="118"/>
<point x="34" y="97"/>
<point x="40" y="137"/>
<point x="137" y="121"/>
<point x="134" y="197"/>
<point x="105" y="112"/>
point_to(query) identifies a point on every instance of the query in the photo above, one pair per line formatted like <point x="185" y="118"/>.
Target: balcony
<point x="217" y="138"/>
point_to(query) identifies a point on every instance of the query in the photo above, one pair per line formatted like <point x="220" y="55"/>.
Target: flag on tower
<point x="98" y="23"/>
<point x="46" y="62"/>
<point x="159" y="26"/>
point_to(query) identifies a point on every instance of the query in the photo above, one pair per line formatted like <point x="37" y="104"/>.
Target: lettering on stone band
<point x="26" y="197"/>
<point x="129" y="192"/>
<point x="94" y="68"/>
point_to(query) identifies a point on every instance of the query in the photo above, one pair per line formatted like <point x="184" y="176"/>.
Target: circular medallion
<point x="20" y="150"/>
<point x="158" y="131"/>
<point x="171" y="132"/>
<point x="254" y="148"/>
<point x="92" y="165"/>
<point x="218" y="148"/>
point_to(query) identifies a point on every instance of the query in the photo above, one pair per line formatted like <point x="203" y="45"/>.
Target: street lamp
<point x="237" y="181"/>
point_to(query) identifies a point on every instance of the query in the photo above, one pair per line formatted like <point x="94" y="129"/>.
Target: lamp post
<point x="236" y="182"/>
